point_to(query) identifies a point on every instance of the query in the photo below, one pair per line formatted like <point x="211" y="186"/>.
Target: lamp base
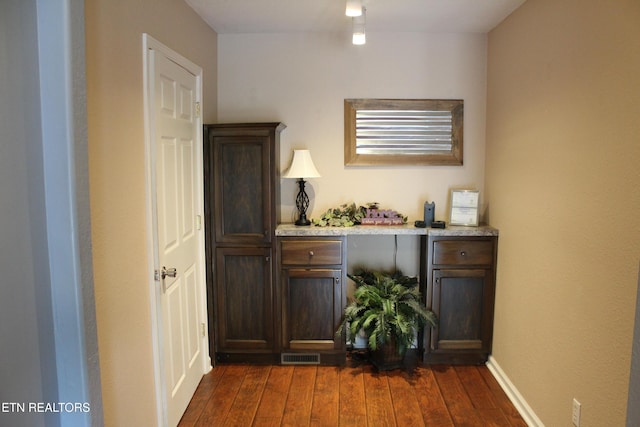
<point x="303" y="220"/>
<point x="302" y="203"/>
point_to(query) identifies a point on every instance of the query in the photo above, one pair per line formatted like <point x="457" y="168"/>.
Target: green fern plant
<point x="386" y="306"/>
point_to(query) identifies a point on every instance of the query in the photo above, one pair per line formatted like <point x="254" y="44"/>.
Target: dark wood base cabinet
<point x="312" y="279"/>
<point x="460" y="289"/>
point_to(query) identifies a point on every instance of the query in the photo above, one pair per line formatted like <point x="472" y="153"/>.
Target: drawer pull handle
<point x="311" y="253"/>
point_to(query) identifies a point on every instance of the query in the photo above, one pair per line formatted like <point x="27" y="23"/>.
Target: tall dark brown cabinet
<point x="242" y="199"/>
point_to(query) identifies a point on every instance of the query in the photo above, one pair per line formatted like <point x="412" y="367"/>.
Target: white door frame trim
<point x="149" y="43"/>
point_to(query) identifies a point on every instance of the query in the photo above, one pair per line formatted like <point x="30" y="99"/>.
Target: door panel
<point x="243" y="198"/>
<point x="244" y="295"/>
<point x="173" y="312"/>
<point x="461" y="302"/>
<point x="312" y="301"/>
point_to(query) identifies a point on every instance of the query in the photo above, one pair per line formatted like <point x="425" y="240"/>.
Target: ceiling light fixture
<point x="354" y="8"/>
<point x="359" y="36"/>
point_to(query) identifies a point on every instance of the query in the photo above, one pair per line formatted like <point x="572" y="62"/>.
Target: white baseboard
<point x="513" y="394"/>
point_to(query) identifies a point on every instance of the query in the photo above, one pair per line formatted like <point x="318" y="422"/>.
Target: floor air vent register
<point x="300" y="358"/>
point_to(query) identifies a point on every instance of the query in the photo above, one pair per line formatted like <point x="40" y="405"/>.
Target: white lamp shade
<point x="354" y="8"/>
<point x="302" y="166"/>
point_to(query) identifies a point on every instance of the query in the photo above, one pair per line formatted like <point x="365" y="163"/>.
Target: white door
<point x="175" y="134"/>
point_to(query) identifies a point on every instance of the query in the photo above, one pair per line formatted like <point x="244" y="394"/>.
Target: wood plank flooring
<point x="353" y="395"/>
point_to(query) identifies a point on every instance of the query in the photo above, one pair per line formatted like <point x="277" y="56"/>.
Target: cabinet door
<point x="244" y="297"/>
<point x="242" y="189"/>
<point x="313" y="301"/>
<point x="463" y="302"/>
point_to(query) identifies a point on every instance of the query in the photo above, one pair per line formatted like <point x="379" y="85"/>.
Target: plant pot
<point x="386" y="357"/>
<point x="361" y="340"/>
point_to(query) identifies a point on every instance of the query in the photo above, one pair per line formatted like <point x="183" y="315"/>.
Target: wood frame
<point x="452" y="157"/>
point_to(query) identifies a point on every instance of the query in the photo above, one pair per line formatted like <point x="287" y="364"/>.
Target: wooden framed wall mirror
<point x="381" y="132"/>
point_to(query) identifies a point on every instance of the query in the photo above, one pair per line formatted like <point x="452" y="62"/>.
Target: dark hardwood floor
<point x="353" y="395"/>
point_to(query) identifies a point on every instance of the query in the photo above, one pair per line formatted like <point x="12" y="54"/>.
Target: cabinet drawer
<point x="464" y="252"/>
<point x="311" y="252"/>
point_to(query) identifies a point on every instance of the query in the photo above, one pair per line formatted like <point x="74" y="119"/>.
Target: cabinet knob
<point x="463" y="253"/>
<point x="311" y="253"/>
<point x="267" y="259"/>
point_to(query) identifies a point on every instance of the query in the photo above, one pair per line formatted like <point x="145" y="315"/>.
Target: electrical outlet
<point x="575" y="414"/>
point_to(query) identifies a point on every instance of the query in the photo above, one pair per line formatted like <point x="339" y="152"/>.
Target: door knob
<point x="168" y="272"/>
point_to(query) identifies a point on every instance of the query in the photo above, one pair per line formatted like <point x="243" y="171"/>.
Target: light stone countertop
<point x="372" y="230"/>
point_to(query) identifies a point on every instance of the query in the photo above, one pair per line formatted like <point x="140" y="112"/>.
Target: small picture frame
<point x="464" y="207"/>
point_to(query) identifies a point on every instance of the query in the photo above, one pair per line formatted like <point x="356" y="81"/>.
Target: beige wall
<point x="117" y="181"/>
<point x="563" y="187"/>
<point x="303" y="79"/>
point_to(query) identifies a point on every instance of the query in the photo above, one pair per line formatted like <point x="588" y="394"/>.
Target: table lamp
<point x="302" y="167"/>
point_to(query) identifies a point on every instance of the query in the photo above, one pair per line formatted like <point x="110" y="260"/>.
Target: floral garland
<point x="348" y="215"/>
